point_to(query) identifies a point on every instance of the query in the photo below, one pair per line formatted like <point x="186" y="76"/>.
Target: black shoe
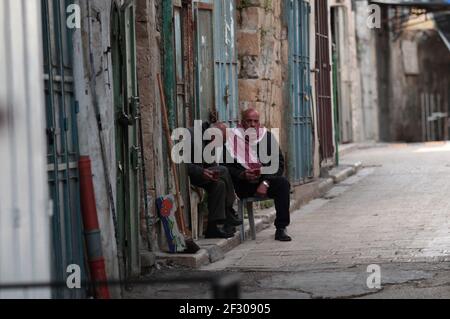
<point x="233" y="219"/>
<point x="281" y="235"/>
<point x="217" y="233"/>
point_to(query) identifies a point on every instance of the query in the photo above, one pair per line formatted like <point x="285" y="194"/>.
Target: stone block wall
<point x="263" y="59"/>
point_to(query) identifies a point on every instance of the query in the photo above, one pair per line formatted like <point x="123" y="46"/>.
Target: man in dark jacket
<point x="217" y="183"/>
<point x="247" y="175"/>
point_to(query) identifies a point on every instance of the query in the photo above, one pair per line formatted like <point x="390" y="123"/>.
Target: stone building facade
<point x="263" y="58"/>
<point x="416" y="61"/>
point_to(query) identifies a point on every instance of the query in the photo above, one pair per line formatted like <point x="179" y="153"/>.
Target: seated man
<point x="216" y="181"/>
<point x="246" y="168"/>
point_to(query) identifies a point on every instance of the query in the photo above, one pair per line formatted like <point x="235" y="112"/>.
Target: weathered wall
<point x="350" y="75"/>
<point x="148" y="66"/>
<point x="97" y="13"/>
<point x="263" y="58"/>
<point x="368" y="114"/>
<point x="432" y="78"/>
<point x="383" y="74"/>
<point x="263" y="50"/>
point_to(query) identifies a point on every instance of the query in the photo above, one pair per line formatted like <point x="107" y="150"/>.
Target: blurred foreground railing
<point x="222" y="286"/>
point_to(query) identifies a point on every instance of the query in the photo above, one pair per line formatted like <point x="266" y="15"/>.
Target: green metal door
<point x="301" y="156"/>
<point x="127" y="148"/>
<point x="62" y="144"/>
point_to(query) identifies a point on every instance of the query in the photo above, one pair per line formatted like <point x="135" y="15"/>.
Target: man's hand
<point x="262" y="190"/>
<point x="208" y="175"/>
<point x="251" y="175"/>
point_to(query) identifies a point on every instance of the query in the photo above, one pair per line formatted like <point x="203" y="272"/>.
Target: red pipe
<point x="92" y="229"/>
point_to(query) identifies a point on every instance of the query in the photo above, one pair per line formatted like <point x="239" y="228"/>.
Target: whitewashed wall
<point x="369" y="85"/>
<point x="350" y="72"/>
<point x="99" y="41"/>
<point x="24" y="204"/>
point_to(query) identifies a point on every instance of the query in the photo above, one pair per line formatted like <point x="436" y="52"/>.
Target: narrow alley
<point x="393" y="213"/>
<point x="217" y="149"/>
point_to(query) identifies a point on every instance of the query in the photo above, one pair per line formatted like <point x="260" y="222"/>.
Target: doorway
<point x="323" y="82"/>
<point x="123" y="51"/>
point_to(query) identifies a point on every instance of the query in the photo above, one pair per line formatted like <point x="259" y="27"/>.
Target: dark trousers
<point x="221" y="196"/>
<point x="279" y="191"/>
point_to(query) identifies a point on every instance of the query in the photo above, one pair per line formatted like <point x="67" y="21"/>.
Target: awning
<point x="443" y="27"/>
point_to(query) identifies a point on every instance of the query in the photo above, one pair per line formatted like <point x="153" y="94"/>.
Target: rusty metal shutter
<point x="323" y="81"/>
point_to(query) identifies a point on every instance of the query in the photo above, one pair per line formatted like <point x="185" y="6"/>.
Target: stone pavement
<point x="393" y="213"/>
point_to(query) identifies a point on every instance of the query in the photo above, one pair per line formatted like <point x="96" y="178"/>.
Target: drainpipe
<point x="168" y="59"/>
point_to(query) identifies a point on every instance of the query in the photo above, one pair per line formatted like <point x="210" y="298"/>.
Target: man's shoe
<point x="281" y="235"/>
<point x="233" y="219"/>
<point x="229" y="229"/>
<point x="217" y="233"/>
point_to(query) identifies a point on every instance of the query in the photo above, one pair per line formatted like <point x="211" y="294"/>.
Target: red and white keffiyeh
<point x="242" y="145"/>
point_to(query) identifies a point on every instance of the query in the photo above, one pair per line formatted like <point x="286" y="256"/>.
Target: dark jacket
<point x="237" y="169"/>
<point x="195" y="170"/>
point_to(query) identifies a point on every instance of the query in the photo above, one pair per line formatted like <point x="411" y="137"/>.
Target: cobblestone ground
<point x="394" y="213"/>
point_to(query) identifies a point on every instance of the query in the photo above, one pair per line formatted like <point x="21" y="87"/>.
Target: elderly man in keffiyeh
<point x="246" y="144"/>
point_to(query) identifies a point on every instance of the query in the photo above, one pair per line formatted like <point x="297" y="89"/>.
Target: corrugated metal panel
<point x="323" y="81"/>
<point x="24" y="211"/>
<point x="299" y="65"/>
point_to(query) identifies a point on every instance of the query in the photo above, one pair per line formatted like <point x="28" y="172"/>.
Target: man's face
<point x="251" y="120"/>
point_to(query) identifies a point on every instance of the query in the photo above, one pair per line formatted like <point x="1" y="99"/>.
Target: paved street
<point x="394" y="213"/>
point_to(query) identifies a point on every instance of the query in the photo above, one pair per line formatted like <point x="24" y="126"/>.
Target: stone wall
<point x="408" y="89"/>
<point x="263" y="59"/>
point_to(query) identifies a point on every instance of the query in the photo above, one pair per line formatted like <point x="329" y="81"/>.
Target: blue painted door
<point x="301" y="137"/>
<point x="225" y="55"/>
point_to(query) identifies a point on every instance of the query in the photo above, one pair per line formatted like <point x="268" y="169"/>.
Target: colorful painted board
<point x="166" y="209"/>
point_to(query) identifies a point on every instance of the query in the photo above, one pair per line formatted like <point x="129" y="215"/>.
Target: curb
<point x="197" y="260"/>
<point x="213" y="250"/>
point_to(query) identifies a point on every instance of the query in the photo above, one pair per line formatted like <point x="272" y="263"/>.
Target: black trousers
<point x="279" y="191"/>
<point x="221" y="196"/>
